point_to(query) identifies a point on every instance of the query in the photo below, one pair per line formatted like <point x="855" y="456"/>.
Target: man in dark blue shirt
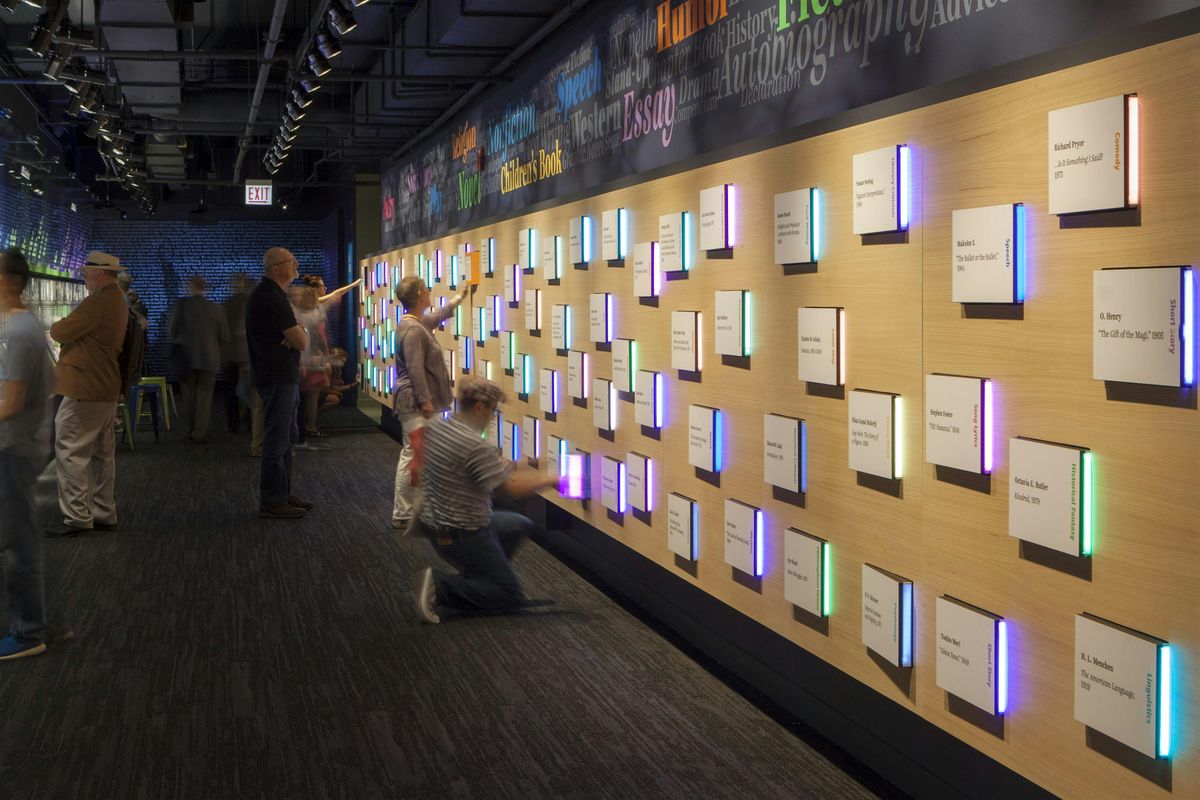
<point x="275" y="341"/>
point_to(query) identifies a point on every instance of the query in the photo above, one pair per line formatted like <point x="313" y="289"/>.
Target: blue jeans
<point x="280" y="401"/>
<point x="21" y="541"/>
<point x="485" y="579"/>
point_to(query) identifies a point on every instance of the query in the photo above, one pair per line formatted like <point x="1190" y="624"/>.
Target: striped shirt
<point x="461" y="471"/>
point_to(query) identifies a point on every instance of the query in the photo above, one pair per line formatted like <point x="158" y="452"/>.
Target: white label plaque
<point x="714" y="218"/>
<point x="548" y="390"/>
<point x="873" y="440"/>
<point x="1119" y="688"/>
<point x="556" y="447"/>
<point x="986" y="254"/>
<point x="877" y="191"/>
<point x="957" y="427"/>
<point x="794" y="227"/>
<point x="612" y="236"/>
<point x="495" y="313"/>
<point x="887" y="615"/>
<point x="560" y="327"/>
<point x="672" y="241"/>
<point x="579" y="240"/>
<point x="639" y="482"/>
<point x="527" y="248"/>
<point x="577" y="374"/>
<point x="683" y="523"/>
<point x="612" y="484"/>
<point x="464" y="354"/>
<point x="514" y="441"/>
<point x="971" y="655"/>
<point x="703" y="435"/>
<point x="448" y="358"/>
<point x="508" y="349"/>
<point x="483" y="368"/>
<point x="604" y="405"/>
<point x="624" y="360"/>
<point x="512" y="283"/>
<point x="1140" y="334"/>
<point x="552" y="258"/>
<point x="743" y="537"/>
<point x="804" y="577"/>
<point x="486" y="252"/>
<point x="783" y="445"/>
<point x="531" y="437"/>
<point x="522" y="375"/>
<point x="1049" y="495"/>
<point x="731" y="323"/>
<point x="685" y="340"/>
<point x="600" y="317"/>
<point x="647" y="280"/>
<point x="648" y="399"/>
<point x="820" y="345"/>
<point x="1087" y="157"/>
<point x="533" y="309"/>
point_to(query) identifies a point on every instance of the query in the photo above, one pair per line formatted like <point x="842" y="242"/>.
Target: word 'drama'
<point x="689" y="17"/>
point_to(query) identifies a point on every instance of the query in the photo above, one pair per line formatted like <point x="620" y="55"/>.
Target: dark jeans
<point x="21" y="541"/>
<point x="279" y="434"/>
<point x="485" y="579"/>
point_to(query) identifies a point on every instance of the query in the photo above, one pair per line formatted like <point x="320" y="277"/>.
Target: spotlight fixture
<point x="317" y="64"/>
<point x="295" y="112"/>
<point x="341" y="19"/>
<point x="290" y="124"/>
<point x="54" y="66"/>
<point x="283" y="144"/>
<point x="40" y="40"/>
<point x="272" y="169"/>
<point x="301" y="98"/>
<point x="309" y="85"/>
<point x="286" y="134"/>
<point x="79" y="74"/>
<point x="79" y="37"/>
<point x="9" y="5"/>
<point x="361" y="2"/>
<point x="327" y="45"/>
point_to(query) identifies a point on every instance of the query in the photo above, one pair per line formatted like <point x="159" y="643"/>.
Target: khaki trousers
<point x="85" y="455"/>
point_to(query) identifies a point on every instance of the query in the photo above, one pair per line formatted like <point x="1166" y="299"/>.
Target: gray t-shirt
<point x="461" y="471"/>
<point x="25" y="358"/>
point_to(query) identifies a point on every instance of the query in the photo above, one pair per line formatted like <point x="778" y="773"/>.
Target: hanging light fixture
<point x="302" y="98"/>
<point x="327" y="45"/>
<point x="294" y="111"/>
<point x="341" y="19"/>
<point x="317" y="64"/>
<point x="309" y="85"/>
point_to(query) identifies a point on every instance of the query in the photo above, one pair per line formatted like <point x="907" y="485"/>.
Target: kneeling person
<point x="462" y="470"/>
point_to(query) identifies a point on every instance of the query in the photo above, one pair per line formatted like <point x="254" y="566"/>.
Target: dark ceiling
<point x="150" y="102"/>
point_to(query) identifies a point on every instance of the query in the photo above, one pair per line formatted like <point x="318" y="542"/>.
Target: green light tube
<point x="1086" y="500"/>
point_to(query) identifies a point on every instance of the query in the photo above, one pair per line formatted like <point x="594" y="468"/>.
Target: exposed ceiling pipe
<point x="264" y="72"/>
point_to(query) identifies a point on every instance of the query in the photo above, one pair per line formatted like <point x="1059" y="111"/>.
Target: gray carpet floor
<point x="216" y="655"/>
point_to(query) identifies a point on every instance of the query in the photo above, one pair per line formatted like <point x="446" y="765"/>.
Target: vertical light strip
<point x="906" y="590"/>
<point x="719" y="443"/>
<point x="491" y="243"/>
<point x="655" y="277"/>
<point x="1133" y="140"/>
<point x="758" y="543"/>
<point x="586" y="381"/>
<point x="533" y="251"/>
<point x="747" y="322"/>
<point x="537" y="437"/>
<point x="1085" y="500"/>
<point x="1164" y="700"/>
<point x="695" y="529"/>
<point x="988" y="426"/>
<point x="608" y="317"/>
<point x="587" y="239"/>
<point x="687" y="241"/>
<point x="826" y="577"/>
<point x="1189" y="327"/>
<point x="621" y="486"/>
<point x="562" y="457"/>
<point x="612" y="406"/>
<point x="453" y="272"/>
<point x="905" y="186"/>
<point x="803" y="456"/>
<point x="514" y="441"/>
<point x="658" y="400"/>
<point x="841" y="323"/>
<point x="699" y="342"/>
<point x="649" y="484"/>
<point x="815" y="223"/>
<point x="526" y="373"/>
<point x="897" y="438"/>
<point x="1001" y="666"/>
<point x="633" y="365"/>
<point x="567" y="327"/>
<point x="558" y="256"/>
<point x="622" y="232"/>
<point x="1020" y="249"/>
<point x="730" y="214"/>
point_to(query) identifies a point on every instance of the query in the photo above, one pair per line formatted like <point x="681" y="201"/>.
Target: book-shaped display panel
<point x="560" y="327"/>
<point x="784" y="447"/>
<point x="531" y="437"/>
<point x="513" y="441"/>
<point x="797" y="227"/>
<point x="600" y="317"/>
<point x="523" y="375"/>
<point x="495" y="308"/>
<point x="533" y="310"/>
<point x="1145" y="325"/>
<point x="495" y="431"/>
<point x="480" y="323"/>
<point x="881" y="189"/>
<point x="579" y="240"/>
<point x="464" y="354"/>
<point x="614" y="234"/>
<point x="483" y="369"/>
<point x="732" y="312"/>
<point x="604" y="404"/>
<point x="647" y="276"/>
<point x="972" y="655"/>
<point x="704" y="438"/>
<point x="1050" y="495"/>
<point x="487" y="255"/>
<point x="1123" y="684"/>
<point x="612" y="484"/>
<point x="717" y="206"/>
<point x="744" y="537"/>
<point x="807" y="566"/>
<point x="674" y="242"/>
<point x="449" y="357"/>
<point x="512" y="283"/>
<point x="527" y="249"/>
<point x="683" y="526"/>
<point x="508" y="350"/>
<point x="1093" y="156"/>
<point x="988" y="254"/>
<point x="578" y="382"/>
<point x="685" y="341"/>
<point x="556" y="455"/>
<point x="578" y="473"/>
<point x="624" y="364"/>
<point x="958" y="422"/>
<point x="648" y="399"/>
<point x="548" y="390"/>
<point x="552" y="258"/>
<point x="822" y="345"/>
<point x="887" y="615"/>
<point x="639" y="476"/>
<point x="875" y="446"/>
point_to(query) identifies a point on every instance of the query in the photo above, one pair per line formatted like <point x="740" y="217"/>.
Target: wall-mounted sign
<point x="958" y="422"/>
<point x="639" y="475"/>
<point x="512" y="283"/>
<point x="881" y="188"/>
<point x="784" y="448"/>
<point x="527" y="249"/>
<point x="552" y="257"/>
<point x="495" y="308"/>
<point x="614" y="234"/>
<point x="514" y="439"/>
<point x="578" y="381"/>
<point x="704" y="438"/>
<point x="604" y="404"/>
<point x="797" y="227"/>
<point x="717" y="205"/>
<point x="508" y="349"/>
<point x="807" y="567"/>
<point x="647" y="278"/>
<point x="1144" y="325"/>
<point x="822" y="345"/>
<point x="600" y="317"/>
<point x="1050" y="495"/>
<point x="988" y="254"/>
<point x="875" y="425"/>
<point x="258" y="193"/>
<point x="548" y="390"/>
<point x="580" y="240"/>
<point x="972" y="654"/>
<point x="487" y="255"/>
<point x="744" y="537"/>
<point x="887" y="615"/>
<point x="685" y="341"/>
<point x="648" y="400"/>
<point x="523" y="374"/>
<point x="624" y="362"/>
<point x="556" y="451"/>
<point x="560" y="327"/>
<point x="1093" y="156"/>
<point x="733" y="317"/>
<point x="683" y="526"/>
<point x="612" y="484"/>
<point x="533" y="310"/>
<point x="531" y="441"/>
<point x="465" y="352"/>
<point x="675" y="242"/>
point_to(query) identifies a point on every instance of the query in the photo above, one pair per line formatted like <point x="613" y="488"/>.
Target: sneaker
<point x="13" y="648"/>
<point x="281" y="511"/>
<point x="427" y="598"/>
<point x="296" y="502"/>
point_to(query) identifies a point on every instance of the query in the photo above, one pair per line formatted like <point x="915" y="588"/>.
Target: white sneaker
<point x="426" y="598"/>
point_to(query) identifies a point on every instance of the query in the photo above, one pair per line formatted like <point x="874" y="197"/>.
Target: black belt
<point x="448" y="535"/>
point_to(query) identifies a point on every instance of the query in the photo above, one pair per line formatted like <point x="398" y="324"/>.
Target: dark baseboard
<point x="917" y="757"/>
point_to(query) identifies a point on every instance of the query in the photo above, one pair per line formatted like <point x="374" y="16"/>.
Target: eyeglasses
<point x="285" y="261"/>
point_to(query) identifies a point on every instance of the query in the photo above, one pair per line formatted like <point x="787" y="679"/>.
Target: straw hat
<point x="104" y="261"/>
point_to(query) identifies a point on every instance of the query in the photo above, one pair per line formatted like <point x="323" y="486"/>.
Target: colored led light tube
<point x="574" y="473"/>
<point x="621" y="485"/>
<point x="658" y="400"/>
<point x="1086" y="499"/>
<point x="905" y="185"/>
<point x="1189" y="327"/>
<point x="649" y="484"/>
<point x="803" y="457"/>
<point x="747" y="324"/>
<point x="1133" y="167"/>
<point x="1001" y="666"/>
<point x="687" y="241"/>
<point x="906" y="590"/>
<point x="730" y="214"/>
<point x="1164" y="700"/>
<point x="897" y="438"/>
<point x="1020" y="265"/>
<point x="826" y="576"/>
<point x="815" y="236"/>
<point x="987" y="427"/>
<point x="586" y="226"/>
<point x="719" y="441"/>
<point x="622" y="232"/>
<point x="758" y="543"/>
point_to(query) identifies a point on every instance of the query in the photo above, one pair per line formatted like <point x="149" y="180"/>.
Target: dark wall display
<point x="636" y="85"/>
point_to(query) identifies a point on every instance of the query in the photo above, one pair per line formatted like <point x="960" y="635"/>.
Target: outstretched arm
<point x="336" y="293"/>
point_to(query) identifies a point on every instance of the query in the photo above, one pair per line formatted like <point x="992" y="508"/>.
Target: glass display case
<point x="50" y="299"/>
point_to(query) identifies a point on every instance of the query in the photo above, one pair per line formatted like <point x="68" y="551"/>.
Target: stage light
<point x="327" y="46"/>
<point x="309" y="85"/>
<point x="302" y="98"/>
<point x="294" y="111"/>
<point x="341" y="19"/>
<point x="317" y="64"/>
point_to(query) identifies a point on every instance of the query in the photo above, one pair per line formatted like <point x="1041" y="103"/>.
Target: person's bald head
<point x="280" y="265"/>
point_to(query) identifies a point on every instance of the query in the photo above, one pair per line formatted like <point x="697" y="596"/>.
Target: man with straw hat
<point x="89" y="379"/>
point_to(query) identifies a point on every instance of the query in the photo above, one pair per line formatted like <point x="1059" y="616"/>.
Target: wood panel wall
<point x="983" y="149"/>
